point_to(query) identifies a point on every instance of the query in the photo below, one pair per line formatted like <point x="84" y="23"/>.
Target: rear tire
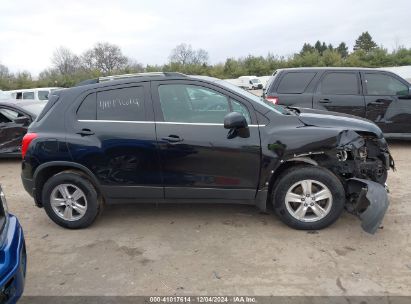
<point x="71" y="200"/>
<point x="308" y="198"/>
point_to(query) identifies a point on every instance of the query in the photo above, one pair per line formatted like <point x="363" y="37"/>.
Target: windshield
<point x="255" y="80"/>
<point x="255" y="98"/>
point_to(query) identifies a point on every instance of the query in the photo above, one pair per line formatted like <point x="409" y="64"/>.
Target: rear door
<point x="385" y="107"/>
<point x="197" y="157"/>
<point x="340" y="91"/>
<point x="113" y="135"/>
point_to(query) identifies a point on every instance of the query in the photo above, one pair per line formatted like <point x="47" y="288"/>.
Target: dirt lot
<point x="215" y="249"/>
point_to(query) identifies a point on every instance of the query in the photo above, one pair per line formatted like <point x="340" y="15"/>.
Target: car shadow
<point x="236" y="215"/>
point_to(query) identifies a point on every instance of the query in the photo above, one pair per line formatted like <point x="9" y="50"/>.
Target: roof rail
<point x="124" y="76"/>
<point x="151" y="74"/>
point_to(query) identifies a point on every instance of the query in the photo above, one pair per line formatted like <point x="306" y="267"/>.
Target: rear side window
<point x="126" y="104"/>
<point x="295" y="82"/>
<point x="87" y="109"/>
<point x="382" y="84"/>
<point x="339" y="84"/>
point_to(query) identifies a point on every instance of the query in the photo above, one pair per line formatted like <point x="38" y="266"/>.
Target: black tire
<point x="94" y="203"/>
<point x="322" y="175"/>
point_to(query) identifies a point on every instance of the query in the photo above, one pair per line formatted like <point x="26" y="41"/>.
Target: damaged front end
<point x="363" y="161"/>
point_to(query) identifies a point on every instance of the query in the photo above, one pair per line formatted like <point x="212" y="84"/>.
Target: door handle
<point x="85" y="132"/>
<point x="172" y="138"/>
<point x="378" y="101"/>
<point x="325" y="100"/>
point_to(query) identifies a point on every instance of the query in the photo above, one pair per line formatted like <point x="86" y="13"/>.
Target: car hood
<point x="326" y="119"/>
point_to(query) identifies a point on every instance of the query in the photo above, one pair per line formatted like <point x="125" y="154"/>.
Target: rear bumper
<point x="12" y="262"/>
<point x="28" y="185"/>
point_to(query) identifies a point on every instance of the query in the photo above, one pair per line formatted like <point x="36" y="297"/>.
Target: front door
<point x="385" y="107"/>
<point x="340" y="92"/>
<point x="198" y="158"/>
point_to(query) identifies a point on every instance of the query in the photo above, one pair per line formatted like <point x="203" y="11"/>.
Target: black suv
<point x="171" y="137"/>
<point x="380" y="96"/>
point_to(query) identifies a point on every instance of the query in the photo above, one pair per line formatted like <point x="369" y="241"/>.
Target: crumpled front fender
<point x="369" y="201"/>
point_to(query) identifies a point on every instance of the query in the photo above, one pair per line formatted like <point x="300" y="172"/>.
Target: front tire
<point x="308" y="198"/>
<point x="71" y="200"/>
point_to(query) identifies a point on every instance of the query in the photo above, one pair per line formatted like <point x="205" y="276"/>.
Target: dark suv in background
<point x="380" y="96"/>
<point x="176" y="138"/>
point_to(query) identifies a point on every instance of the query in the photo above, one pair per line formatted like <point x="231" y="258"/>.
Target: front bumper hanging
<point x="369" y="201"/>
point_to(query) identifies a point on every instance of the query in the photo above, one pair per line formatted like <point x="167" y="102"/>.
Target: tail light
<point x="272" y="99"/>
<point x="26" y="143"/>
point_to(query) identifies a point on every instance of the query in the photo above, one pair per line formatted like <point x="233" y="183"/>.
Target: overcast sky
<point x="147" y="30"/>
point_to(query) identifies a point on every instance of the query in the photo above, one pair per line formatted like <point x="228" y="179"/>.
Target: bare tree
<point x="184" y="54"/>
<point x="133" y="66"/>
<point x="65" y="61"/>
<point x="104" y="57"/>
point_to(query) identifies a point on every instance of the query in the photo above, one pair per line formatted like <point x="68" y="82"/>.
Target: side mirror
<point x="235" y="120"/>
<point x="406" y="96"/>
<point x="23" y="120"/>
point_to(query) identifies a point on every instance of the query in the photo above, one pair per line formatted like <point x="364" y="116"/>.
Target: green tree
<point x="342" y="49"/>
<point x="23" y="80"/>
<point x="233" y="68"/>
<point x="364" y="42"/>
<point x="306" y="60"/>
<point x="307" y="48"/>
<point x="331" y="58"/>
<point x="401" y="56"/>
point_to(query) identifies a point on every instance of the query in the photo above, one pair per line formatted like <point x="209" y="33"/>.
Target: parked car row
<point x="380" y="96"/>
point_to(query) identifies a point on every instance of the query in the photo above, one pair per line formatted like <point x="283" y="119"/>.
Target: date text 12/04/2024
<point x="203" y="299"/>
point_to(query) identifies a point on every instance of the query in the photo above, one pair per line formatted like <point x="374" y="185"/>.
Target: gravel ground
<point x="215" y="249"/>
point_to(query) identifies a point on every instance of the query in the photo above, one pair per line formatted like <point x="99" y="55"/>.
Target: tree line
<point x="68" y="68"/>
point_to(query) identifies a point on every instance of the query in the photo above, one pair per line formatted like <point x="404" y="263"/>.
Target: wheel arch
<point x="47" y="170"/>
<point x="284" y="166"/>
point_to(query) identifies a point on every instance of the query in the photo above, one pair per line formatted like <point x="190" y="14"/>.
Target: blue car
<point x="12" y="255"/>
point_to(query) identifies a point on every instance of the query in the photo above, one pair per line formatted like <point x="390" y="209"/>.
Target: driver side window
<point x="192" y="104"/>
